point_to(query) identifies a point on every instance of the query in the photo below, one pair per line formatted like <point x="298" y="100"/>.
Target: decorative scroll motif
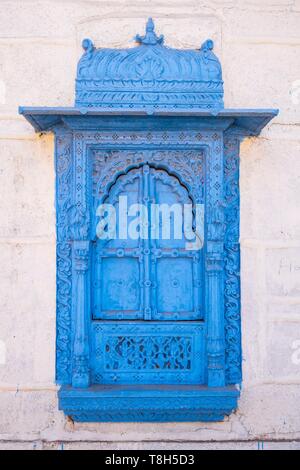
<point x="232" y="263"/>
<point x="72" y="212"/>
<point x="149" y="76"/>
<point x="150" y="353"/>
<point x="63" y="258"/>
<point x="63" y="312"/>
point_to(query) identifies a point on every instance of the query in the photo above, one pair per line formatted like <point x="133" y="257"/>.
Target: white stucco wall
<point x="258" y="42"/>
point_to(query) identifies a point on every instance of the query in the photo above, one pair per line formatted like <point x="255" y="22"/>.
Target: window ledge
<point x="148" y="403"/>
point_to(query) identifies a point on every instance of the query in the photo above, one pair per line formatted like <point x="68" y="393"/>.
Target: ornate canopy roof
<point x="146" y="85"/>
<point x="150" y="75"/>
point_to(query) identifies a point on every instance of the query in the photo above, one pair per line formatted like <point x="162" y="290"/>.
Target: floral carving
<point x="232" y="262"/>
<point x="63" y="309"/>
<point x="63" y="257"/>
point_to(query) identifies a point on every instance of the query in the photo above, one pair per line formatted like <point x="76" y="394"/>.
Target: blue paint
<point x="147" y="331"/>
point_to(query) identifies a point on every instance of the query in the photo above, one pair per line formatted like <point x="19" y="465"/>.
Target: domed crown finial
<point x="87" y="45"/>
<point x="150" y="38"/>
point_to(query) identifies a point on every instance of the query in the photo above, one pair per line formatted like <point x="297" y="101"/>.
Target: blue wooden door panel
<point x="120" y="285"/>
<point x="174" y="290"/>
<point x="169" y="192"/>
<point x="177" y="271"/>
<point x="118" y="271"/>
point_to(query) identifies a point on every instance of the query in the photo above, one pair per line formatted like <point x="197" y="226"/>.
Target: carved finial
<point x="150" y="38"/>
<point x="87" y="45"/>
<point x="211" y="61"/>
<point x="207" y="46"/>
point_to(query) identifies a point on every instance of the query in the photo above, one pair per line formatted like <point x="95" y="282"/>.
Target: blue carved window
<point x="148" y="330"/>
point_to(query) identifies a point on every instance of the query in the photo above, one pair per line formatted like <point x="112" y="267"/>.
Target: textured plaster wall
<point x="258" y="42"/>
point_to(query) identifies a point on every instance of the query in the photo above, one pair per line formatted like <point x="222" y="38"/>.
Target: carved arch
<point x="157" y="167"/>
<point x="188" y="166"/>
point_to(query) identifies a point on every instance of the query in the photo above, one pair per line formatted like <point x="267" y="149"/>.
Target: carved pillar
<point x="81" y="369"/>
<point x="215" y="264"/>
<point x="215" y="315"/>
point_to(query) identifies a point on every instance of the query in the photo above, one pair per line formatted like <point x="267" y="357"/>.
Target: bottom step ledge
<point x="148" y="403"/>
